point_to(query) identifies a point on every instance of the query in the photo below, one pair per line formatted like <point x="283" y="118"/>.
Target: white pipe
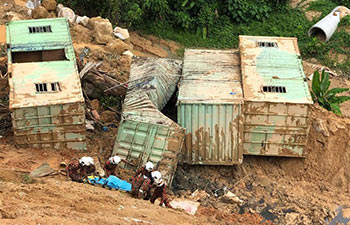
<point x="324" y="29"/>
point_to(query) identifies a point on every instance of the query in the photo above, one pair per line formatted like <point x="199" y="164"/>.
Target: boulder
<point x="49" y="4"/>
<point x="40" y="12"/>
<point x="121" y="33"/>
<point x="103" y="29"/>
<point x="117" y="46"/>
<point x="82" y="20"/>
<point x="65" y="12"/>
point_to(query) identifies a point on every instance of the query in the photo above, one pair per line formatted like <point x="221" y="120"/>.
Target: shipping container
<point x="146" y="134"/>
<point x="46" y="100"/>
<point x="276" y="95"/>
<point x="209" y="107"/>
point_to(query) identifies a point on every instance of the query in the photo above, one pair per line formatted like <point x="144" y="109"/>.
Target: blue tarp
<point x="112" y="182"/>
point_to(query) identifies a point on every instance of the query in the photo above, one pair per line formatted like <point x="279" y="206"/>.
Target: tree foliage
<point x="198" y="15"/>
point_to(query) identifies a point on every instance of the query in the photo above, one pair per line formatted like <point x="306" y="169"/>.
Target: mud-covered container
<point x="46" y="100"/>
<point x="146" y="134"/>
<point x="210" y="105"/>
<point x="277" y="97"/>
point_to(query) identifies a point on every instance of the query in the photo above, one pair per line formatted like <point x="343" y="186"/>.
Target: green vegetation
<point x="327" y="98"/>
<point x="217" y="23"/>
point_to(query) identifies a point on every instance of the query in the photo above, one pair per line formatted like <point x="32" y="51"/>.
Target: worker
<point x="142" y="181"/>
<point x="160" y="190"/>
<point x="78" y="170"/>
<point x="111" y="165"/>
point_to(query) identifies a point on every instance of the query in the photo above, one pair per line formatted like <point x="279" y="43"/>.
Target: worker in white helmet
<point x="111" y="165"/>
<point x="77" y="170"/>
<point x="160" y="190"/>
<point x="142" y="181"/>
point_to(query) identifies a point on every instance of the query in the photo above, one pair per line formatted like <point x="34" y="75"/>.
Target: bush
<point x="327" y="98"/>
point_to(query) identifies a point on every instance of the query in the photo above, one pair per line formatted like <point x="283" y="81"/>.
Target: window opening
<point x="39" y="56"/>
<point x="267" y="44"/>
<point x="275" y="89"/>
<point x="55" y="87"/>
<point x="43" y="87"/>
<point x="40" y="29"/>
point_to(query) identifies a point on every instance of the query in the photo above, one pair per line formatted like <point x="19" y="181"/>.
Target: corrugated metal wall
<point x="145" y="134"/>
<point x="213" y="133"/>
<point x="140" y="142"/>
<point x="55" y="126"/>
<point x="274" y="129"/>
<point x="19" y="36"/>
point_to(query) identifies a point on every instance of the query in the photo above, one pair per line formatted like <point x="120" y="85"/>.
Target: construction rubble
<point x="130" y="86"/>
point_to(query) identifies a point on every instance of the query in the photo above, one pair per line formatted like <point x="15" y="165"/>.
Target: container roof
<point x="22" y="33"/>
<point x="272" y="70"/>
<point x="23" y="91"/>
<point x="211" y="76"/>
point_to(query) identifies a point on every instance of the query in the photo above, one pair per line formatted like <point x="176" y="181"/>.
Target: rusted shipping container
<point x="209" y="107"/>
<point x="145" y="134"/>
<point x="276" y="97"/>
<point x="46" y="100"/>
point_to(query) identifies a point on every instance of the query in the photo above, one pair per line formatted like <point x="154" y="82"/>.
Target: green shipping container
<point x="210" y="107"/>
<point x="276" y="95"/>
<point x="145" y="134"/>
<point x="46" y="99"/>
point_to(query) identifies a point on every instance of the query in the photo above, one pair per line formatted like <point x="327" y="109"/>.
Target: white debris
<point x="128" y="52"/>
<point x="89" y="125"/>
<point x="66" y="12"/>
<point x="121" y="33"/>
<point x="83" y="20"/>
<point x="189" y="206"/>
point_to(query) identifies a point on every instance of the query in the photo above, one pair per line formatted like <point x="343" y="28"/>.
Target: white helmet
<point x="157" y="177"/>
<point x="149" y="166"/>
<point x="86" y="161"/>
<point x="115" y="159"/>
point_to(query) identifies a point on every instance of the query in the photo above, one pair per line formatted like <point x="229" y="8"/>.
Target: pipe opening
<point x="318" y="33"/>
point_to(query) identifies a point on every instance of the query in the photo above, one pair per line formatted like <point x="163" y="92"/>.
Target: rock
<point x="103" y="29"/>
<point x="40" y="12"/>
<point x="49" y="4"/>
<point x="82" y="33"/>
<point x="82" y="20"/>
<point x="129" y="53"/>
<point x="117" y="46"/>
<point x="230" y="198"/>
<point x="12" y="16"/>
<point x="108" y="116"/>
<point x="291" y="218"/>
<point x="41" y="171"/>
<point x="321" y="127"/>
<point x="53" y="14"/>
<point x="121" y="33"/>
<point x="65" y="12"/>
<point x="95" y="104"/>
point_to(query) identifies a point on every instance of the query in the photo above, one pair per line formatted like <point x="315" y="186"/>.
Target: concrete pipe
<point x="324" y="29"/>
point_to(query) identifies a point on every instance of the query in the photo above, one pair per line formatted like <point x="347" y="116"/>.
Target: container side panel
<point x="212" y="135"/>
